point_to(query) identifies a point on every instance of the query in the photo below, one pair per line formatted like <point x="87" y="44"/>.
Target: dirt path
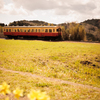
<point x="50" y="79"/>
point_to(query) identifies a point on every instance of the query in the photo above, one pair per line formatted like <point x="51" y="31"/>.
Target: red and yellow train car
<point x="32" y="31"/>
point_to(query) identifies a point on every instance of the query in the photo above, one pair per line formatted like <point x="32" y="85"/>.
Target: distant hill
<point x="94" y="22"/>
<point x="92" y="28"/>
<point x="30" y="23"/>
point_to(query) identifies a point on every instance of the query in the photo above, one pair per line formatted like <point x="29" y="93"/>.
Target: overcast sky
<point x="52" y="11"/>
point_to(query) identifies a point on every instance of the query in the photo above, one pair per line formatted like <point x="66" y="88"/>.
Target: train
<point x="47" y="32"/>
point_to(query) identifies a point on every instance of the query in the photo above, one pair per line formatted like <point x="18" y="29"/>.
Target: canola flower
<point x="7" y="98"/>
<point x="4" y="88"/>
<point x="33" y="95"/>
<point x="38" y="95"/>
<point x="18" y="93"/>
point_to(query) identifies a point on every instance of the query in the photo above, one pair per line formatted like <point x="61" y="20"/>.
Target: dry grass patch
<point x="77" y="62"/>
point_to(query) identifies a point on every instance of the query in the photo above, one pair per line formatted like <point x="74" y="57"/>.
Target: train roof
<point x="29" y="26"/>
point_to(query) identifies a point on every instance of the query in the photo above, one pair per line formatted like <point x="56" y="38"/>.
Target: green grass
<point x="55" y="90"/>
<point x="76" y="62"/>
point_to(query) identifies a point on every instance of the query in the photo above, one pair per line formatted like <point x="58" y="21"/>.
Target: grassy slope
<point x="56" y="91"/>
<point x="78" y="62"/>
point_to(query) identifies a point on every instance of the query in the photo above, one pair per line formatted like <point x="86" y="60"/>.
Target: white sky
<point x="52" y="11"/>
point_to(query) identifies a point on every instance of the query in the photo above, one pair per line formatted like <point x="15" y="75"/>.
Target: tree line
<point x="74" y="31"/>
<point x="30" y="23"/>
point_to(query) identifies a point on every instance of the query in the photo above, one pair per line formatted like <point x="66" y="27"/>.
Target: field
<point x="74" y="62"/>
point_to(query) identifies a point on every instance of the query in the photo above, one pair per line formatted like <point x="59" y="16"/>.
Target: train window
<point x="15" y="30"/>
<point x="28" y="30"/>
<point x="21" y="30"/>
<point x="6" y="30"/>
<point x="42" y="30"/>
<point x="35" y="30"/>
<point x="9" y="30"/>
<point x="32" y="30"/>
<point x="24" y="30"/>
<point x="46" y="30"/>
<point x="38" y="30"/>
<point x="18" y="30"/>
<point x="53" y="30"/>
<point x="50" y="30"/>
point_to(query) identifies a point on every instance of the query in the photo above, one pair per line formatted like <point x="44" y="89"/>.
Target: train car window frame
<point x="24" y="30"/>
<point x="38" y="30"/>
<point x="21" y="30"/>
<point x="18" y="30"/>
<point x="42" y="30"/>
<point x="35" y="30"/>
<point x="50" y="30"/>
<point x="53" y="30"/>
<point x="6" y="30"/>
<point x="46" y="30"/>
<point x="9" y="30"/>
<point x="15" y="30"/>
<point x="32" y="30"/>
<point x="28" y="30"/>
